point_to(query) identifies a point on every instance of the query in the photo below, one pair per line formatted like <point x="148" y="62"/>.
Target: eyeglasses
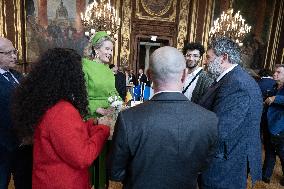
<point x="11" y="52"/>
<point x="192" y="55"/>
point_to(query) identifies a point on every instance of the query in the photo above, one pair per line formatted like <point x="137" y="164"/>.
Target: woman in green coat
<point x="100" y="83"/>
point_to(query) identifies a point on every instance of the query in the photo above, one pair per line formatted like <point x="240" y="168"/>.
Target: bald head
<point x="8" y="54"/>
<point x="166" y="66"/>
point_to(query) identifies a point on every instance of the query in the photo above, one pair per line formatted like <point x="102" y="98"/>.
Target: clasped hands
<point x="105" y="119"/>
<point x="269" y="100"/>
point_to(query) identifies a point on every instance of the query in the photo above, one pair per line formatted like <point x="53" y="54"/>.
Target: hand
<point x="104" y="111"/>
<point x="115" y="185"/>
<point x="26" y="141"/>
<point x="270" y="100"/>
<point x="105" y="120"/>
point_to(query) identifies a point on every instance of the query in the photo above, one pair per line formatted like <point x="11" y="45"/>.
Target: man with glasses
<point x="197" y="81"/>
<point x="15" y="158"/>
<point x="237" y="101"/>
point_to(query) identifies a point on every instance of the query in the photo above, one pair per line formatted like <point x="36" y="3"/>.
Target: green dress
<point x="100" y="83"/>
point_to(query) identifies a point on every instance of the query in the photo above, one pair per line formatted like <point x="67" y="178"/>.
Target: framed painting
<point x="54" y="23"/>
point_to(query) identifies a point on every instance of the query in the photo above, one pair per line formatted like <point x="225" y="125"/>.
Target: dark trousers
<point x="274" y="146"/>
<point x="19" y="164"/>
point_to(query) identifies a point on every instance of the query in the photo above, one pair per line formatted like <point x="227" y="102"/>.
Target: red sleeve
<point x="70" y="137"/>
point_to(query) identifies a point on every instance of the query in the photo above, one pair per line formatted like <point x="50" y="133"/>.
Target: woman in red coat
<point x="49" y="107"/>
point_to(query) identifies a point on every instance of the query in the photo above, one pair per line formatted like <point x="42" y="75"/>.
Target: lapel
<point x="169" y="96"/>
<point x="208" y="98"/>
<point x="5" y="83"/>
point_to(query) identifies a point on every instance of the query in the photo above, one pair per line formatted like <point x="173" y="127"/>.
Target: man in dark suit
<point x="275" y="120"/>
<point x="142" y="78"/>
<point x="197" y="81"/>
<point x="166" y="141"/>
<point x="15" y="157"/>
<point x="120" y="81"/>
<point x="237" y="101"/>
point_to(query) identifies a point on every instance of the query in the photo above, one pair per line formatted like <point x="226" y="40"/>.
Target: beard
<point x="215" y="69"/>
<point x="191" y="64"/>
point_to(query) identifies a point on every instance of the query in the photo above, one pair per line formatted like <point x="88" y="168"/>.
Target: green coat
<point x="100" y="83"/>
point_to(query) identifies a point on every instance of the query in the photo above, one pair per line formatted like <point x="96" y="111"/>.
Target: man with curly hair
<point x="15" y="158"/>
<point x="197" y="81"/>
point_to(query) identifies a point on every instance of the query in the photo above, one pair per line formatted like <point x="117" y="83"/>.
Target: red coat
<point x="64" y="148"/>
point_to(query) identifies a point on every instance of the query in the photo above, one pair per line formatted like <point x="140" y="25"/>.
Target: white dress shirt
<point x="3" y="71"/>
<point x="189" y="78"/>
<point x="225" y="72"/>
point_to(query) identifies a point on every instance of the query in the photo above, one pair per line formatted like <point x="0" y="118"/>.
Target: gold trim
<point x="270" y="33"/>
<point x="277" y="35"/>
<point x="171" y="18"/>
<point x="15" y="22"/>
<point x="125" y="33"/>
<point x="117" y="7"/>
<point x="192" y="35"/>
<point x="1" y="20"/>
<point x="161" y="13"/>
<point x="282" y="59"/>
<point x="5" y="21"/>
<point x="19" y="28"/>
<point x="207" y="22"/>
<point x="183" y="20"/>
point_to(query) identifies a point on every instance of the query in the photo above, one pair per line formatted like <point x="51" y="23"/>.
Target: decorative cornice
<point x="183" y="20"/>
<point x="171" y="18"/>
<point x="159" y="13"/>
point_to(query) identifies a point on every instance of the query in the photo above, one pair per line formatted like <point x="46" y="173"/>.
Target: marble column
<point x="147" y="56"/>
<point x="42" y="13"/>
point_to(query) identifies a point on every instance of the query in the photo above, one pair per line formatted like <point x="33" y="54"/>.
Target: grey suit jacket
<point x="163" y="143"/>
<point x="203" y="83"/>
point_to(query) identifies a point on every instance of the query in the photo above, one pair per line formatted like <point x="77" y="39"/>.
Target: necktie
<point x="10" y="78"/>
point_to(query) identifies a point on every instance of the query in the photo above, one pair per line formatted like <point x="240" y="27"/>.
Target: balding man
<point x="166" y="141"/>
<point x="14" y="159"/>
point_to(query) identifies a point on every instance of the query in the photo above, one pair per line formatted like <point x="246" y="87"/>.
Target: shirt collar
<point x="195" y="72"/>
<point x="226" y="71"/>
<point x="165" y="92"/>
<point x="3" y="71"/>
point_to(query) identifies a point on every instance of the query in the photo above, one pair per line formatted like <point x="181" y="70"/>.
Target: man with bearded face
<point x="197" y="80"/>
<point x="236" y="99"/>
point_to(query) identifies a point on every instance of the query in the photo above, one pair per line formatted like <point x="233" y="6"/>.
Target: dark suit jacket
<point x="203" y="83"/>
<point x="120" y="84"/>
<point x="266" y="86"/>
<point x="275" y="114"/>
<point x="163" y="143"/>
<point x="7" y="137"/>
<point x="237" y="101"/>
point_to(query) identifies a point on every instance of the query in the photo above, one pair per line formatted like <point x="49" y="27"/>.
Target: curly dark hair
<point x="58" y="75"/>
<point x="193" y="46"/>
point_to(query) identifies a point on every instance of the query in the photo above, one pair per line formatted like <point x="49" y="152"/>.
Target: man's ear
<point x="225" y="57"/>
<point x="184" y="74"/>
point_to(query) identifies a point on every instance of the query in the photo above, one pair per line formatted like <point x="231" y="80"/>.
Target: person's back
<point x="169" y="142"/>
<point x="165" y="142"/>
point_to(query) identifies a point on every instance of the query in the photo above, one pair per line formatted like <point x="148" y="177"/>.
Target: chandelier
<point x="231" y="26"/>
<point x="100" y="17"/>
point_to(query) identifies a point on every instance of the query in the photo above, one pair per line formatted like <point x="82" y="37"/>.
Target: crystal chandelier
<point x="100" y="17"/>
<point x="231" y="26"/>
